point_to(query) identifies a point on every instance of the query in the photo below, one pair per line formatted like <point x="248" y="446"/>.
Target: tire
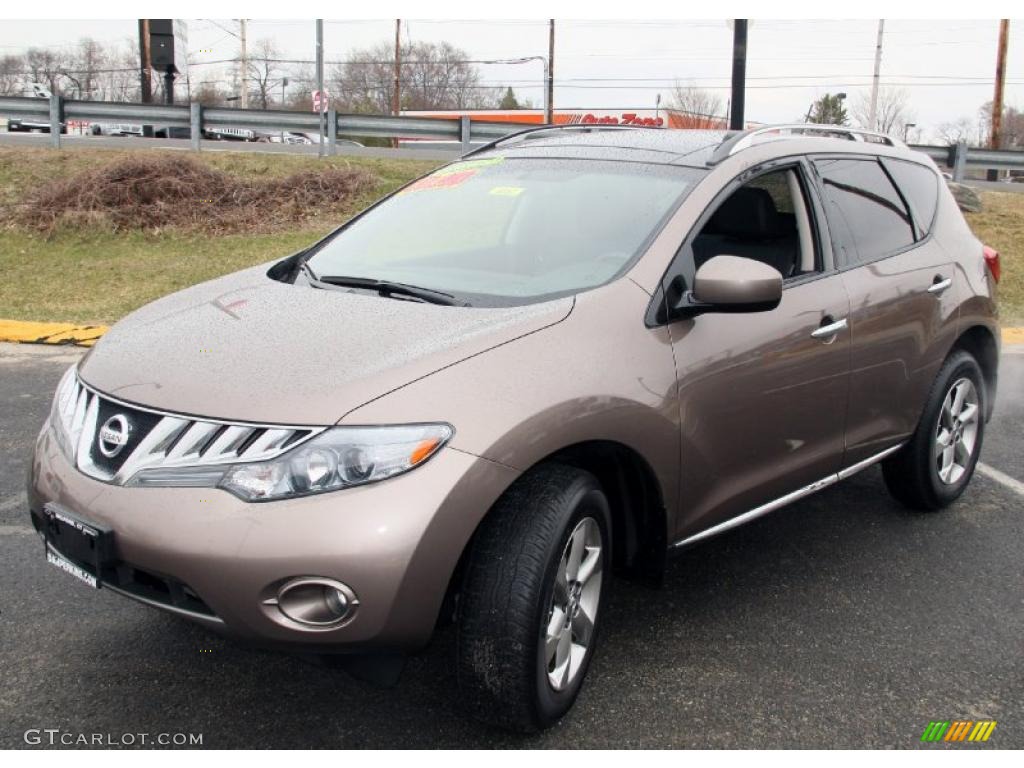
<point x="918" y="475"/>
<point x="510" y="597"/>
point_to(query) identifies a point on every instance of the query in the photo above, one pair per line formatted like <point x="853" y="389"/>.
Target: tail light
<point x="992" y="261"/>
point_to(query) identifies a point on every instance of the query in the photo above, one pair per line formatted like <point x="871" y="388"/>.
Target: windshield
<point x="498" y="231"/>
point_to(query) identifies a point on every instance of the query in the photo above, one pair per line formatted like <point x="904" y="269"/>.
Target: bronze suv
<point x="567" y="354"/>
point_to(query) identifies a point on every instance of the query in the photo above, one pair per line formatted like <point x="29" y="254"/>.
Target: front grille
<point x="158" y="439"/>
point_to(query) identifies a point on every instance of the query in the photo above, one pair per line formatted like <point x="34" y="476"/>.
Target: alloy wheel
<point x="574" y="602"/>
<point x="956" y="434"/>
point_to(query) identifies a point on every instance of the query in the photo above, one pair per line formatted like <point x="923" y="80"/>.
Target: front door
<point x="762" y="395"/>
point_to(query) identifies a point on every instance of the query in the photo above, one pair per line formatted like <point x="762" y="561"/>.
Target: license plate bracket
<point x="79" y="547"/>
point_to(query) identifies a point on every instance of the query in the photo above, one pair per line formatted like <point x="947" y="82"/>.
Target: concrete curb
<point x="26" y="332"/>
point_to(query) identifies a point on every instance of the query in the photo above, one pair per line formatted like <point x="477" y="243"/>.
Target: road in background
<point x="843" y="620"/>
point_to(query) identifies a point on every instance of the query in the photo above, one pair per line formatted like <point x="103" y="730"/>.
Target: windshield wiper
<point x="385" y="287"/>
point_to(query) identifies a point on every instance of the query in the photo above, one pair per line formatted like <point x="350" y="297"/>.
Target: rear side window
<point x="864" y="209"/>
<point x="920" y="188"/>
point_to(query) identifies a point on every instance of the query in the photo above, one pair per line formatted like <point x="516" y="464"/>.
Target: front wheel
<point x="933" y="469"/>
<point x="535" y="584"/>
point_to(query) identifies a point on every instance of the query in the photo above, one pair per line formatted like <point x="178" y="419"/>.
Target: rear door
<point x="901" y="289"/>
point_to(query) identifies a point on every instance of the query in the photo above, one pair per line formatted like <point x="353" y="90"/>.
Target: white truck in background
<point x="32" y="124"/>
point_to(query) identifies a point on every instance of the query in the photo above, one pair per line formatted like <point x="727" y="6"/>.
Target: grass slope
<point x="95" y="276"/>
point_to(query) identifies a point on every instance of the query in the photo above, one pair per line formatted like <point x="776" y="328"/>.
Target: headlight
<point x="62" y="413"/>
<point x="341" y="457"/>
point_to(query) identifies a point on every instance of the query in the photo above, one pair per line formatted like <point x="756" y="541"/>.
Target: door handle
<point x="827" y="331"/>
<point x="940" y="285"/>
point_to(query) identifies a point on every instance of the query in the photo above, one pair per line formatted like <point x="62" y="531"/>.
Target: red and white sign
<point x="320" y="100"/>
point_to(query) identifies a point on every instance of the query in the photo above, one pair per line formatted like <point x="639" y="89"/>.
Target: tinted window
<point x="496" y="231"/>
<point x="861" y="199"/>
<point x="920" y="187"/>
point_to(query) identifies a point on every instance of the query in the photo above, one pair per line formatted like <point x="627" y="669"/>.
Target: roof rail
<point x="526" y="132"/>
<point x="745" y="139"/>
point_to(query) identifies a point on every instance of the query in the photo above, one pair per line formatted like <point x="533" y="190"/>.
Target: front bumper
<point x="395" y="543"/>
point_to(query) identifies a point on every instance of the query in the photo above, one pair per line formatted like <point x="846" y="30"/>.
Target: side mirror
<point x="732" y="284"/>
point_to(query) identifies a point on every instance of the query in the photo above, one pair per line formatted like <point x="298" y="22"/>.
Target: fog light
<point x="316" y="602"/>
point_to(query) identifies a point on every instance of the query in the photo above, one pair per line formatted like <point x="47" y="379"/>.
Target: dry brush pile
<point x="154" y="193"/>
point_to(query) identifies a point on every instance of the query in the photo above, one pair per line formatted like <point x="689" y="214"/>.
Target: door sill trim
<point x="782" y="501"/>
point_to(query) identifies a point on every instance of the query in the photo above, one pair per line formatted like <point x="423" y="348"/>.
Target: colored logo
<point x="958" y="730"/>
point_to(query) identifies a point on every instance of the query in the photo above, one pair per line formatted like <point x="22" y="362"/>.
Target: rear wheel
<point x="933" y="469"/>
<point x="535" y="583"/>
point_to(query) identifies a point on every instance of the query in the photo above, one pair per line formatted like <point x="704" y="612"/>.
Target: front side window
<point x="766" y="220"/>
<point x="864" y="209"/>
<point x="498" y="231"/>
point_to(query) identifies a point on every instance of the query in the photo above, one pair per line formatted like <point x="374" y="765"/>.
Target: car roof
<point x="687" y="147"/>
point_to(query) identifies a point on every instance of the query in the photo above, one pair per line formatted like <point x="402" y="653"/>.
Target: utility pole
<point x="284" y="84"/>
<point x="549" y="102"/>
<point x="873" y="111"/>
<point x="244" y="75"/>
<point x="739" y="74"/>
<point x="320" y="82"/>
<point x="396" y="92"/>
<point x="396" y="89"/>
<point x="997" y="100"/>
<point x="145" y="84"/>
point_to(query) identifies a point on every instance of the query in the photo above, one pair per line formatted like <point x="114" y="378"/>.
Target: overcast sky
<point x="946" y="65"/>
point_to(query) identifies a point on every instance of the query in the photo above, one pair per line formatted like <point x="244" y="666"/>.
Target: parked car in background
<point x="18" y="124"/>
<point x="566" y="356"/>
<point x="115" y="129"/>
<point x="288" y="138"/>
<point x="229" y="134"/>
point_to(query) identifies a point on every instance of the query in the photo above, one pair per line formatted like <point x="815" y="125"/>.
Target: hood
<point x="249" y="348"/>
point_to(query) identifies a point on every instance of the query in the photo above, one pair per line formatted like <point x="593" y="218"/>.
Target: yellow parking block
<point x="26" y="332"/>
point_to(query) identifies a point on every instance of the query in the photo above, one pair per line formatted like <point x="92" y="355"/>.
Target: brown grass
<point x="152" y="193"/>
<point x="1000" y="224"/>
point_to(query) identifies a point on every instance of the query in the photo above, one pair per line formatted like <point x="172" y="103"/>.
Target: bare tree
<point x="208" y="90"/>
<point x="264" y="71"/>
<point x="47" y="66"/>
<point x="83" y="69"/>
<point x="892" y="113"/>
<point x="11" y="75"/>
<point x="695" y="107"/>
<point x="434" y="76"/>
<point x="121" y="80"/>
<point x="301" y="84"/>
<point x="1013" y="126"/>
<point x="954" y="132"/>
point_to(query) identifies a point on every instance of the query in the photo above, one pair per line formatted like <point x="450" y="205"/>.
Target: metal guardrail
<point x="200" y="120"/>
<point x="959" y="157"/>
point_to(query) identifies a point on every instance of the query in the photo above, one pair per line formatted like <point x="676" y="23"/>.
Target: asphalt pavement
<point x="843" y="620"/>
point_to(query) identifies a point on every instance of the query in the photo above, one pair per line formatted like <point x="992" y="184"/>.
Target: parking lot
<point x="840" y="621"/>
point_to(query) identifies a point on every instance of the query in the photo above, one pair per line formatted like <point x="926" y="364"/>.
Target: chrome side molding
<point x="782" y="501"/>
